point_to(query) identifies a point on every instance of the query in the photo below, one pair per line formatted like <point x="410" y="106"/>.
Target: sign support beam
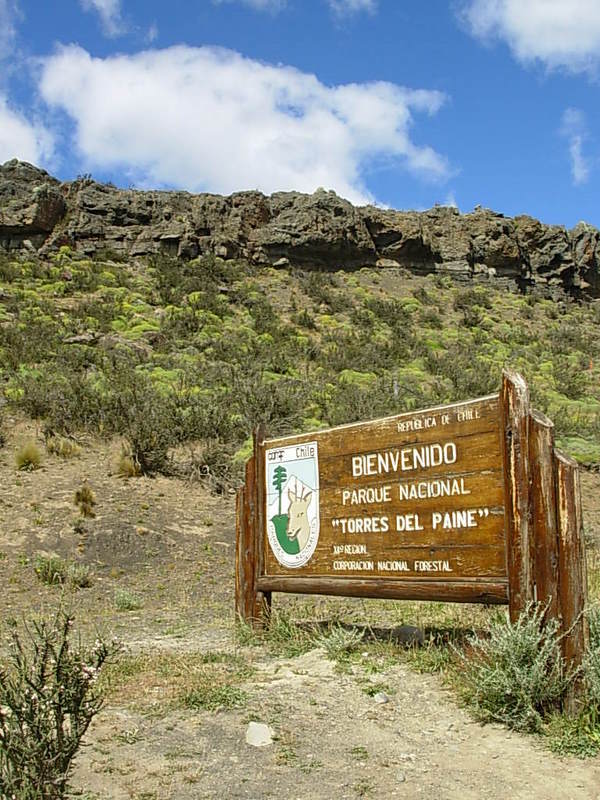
<point x="514" y="404"/>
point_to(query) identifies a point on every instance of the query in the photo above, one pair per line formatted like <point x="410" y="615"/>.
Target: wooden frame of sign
<point x="469" y="502"/>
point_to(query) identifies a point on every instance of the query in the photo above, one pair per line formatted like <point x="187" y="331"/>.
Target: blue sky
<point x="398" y="102"/>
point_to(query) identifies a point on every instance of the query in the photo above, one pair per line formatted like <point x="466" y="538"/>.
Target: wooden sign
<point x="410" y="506"/>
<point x="467" y="502"/>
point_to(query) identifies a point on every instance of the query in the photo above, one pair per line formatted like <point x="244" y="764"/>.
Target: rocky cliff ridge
<point x="38" y="214"/>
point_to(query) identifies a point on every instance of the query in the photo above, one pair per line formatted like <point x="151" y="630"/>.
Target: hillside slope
<point x="166" y="352"/>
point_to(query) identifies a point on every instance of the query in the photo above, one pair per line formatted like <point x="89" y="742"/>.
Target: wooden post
<point x="543" y="502"/>
<point x="514" y="403"/>
<point x="239" y="557"/>
<point x="245" y="559"/>
<point x="572" y="572"/>
<point x="262" y="602"/>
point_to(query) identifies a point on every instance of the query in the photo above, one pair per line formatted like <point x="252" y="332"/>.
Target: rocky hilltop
<point x="39" y="214"/>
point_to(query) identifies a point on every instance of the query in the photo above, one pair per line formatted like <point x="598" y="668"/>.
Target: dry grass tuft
<point x="28" y="457"/>
<point x="62" y="447"/>
<point x="85" y="500"/>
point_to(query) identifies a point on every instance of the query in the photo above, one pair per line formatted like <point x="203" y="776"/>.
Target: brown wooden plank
<point x="572" y="576"/>
<point x="404" y="562"/>
<point x="514" y="402"/>
<point x="262" y="603"/>
<point x="239" y="547"/>
<point x="476" y="416"/>
<point x="475" y="487"/>
<point x="475" y="453"/>
<point x="484" y="542"/>
<point x="582" y="556"/>
<point x="247" y="548"/>
<point x="543" y="500"/>
<point x="487" y="592"/>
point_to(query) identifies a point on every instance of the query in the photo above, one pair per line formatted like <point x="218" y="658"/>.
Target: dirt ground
<point x="170" y="544"/>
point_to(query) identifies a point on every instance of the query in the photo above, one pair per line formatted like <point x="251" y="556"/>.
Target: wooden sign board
<point x="468" y="502"/>
<point x="411" y="501"/>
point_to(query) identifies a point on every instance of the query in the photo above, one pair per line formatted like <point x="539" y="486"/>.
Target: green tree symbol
<point x="279" y="476"/>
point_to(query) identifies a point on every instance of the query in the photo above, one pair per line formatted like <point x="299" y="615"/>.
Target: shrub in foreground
<point x="48" y="697"/>
<point x="516" y="674"/>
<point x="591" y="663"/>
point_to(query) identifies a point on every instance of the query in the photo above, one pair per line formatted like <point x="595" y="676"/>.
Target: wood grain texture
<point x="543" y="503"/>
<point x="262" y="600"/>
<point x="572" y="573"/>
<point x="246" y="546"/>
<point x="262" y="608"/>
<point x="239" y="553"/>
<point x="487" y="592"/>
<point x="449" y="511"/>
<point x="380" y="430"/>
<point x="514" y="402"/>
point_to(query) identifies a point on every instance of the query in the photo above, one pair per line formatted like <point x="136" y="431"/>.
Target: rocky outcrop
<point x="31" y="205"/>
<point x="38" y="213"/>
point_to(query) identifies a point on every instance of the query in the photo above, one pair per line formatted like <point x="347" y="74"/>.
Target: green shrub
<point x="79" y="575"/>
<point x="68" y="399"/>
<point x="48" y="697"/>
<point x="516" y="675"/>
<point x="591" y="664"/>
<point x="126" y="600"/>
<point x="53" y="571"/>
<point x="571" y="378"/>
<point x="339" y="642"/>
<point x="147" y="418"/>
<point x="472" y="317"/>
<point x="465" y="299"/>
<point x="50" y="569"/>
<point x="579" y="734"/>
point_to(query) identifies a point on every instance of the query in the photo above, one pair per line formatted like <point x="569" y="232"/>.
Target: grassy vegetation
<point x="166" y="353"/>
<point x="53" y="570"/>
<point x="207" y="681"/>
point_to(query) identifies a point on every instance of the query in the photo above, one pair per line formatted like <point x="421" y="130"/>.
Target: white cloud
<point x="9" y="13"/>
<point x="208" y="119"/>
<point x="345" y="7"/>
<point x="559" y="33"/>
<point x="574" y="129"/>
<point x="110" y="15"/>
<point x="22" y="139"/>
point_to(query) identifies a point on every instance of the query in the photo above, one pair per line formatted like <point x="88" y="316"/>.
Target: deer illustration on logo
<point x="298" y="526"/>
<point x="292" y="484"/>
